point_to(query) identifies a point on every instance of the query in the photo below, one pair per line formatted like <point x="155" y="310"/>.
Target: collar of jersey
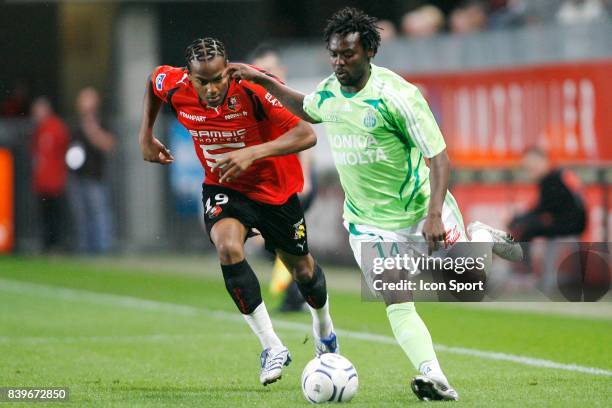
<point x="352" y="95"/>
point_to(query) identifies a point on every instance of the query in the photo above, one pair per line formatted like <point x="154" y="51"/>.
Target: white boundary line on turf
<point x="157" y="337"/>
<point x="15" y="286"/>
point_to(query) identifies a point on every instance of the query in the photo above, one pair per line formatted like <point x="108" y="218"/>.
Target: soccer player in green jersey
<point x="381" y="133"/>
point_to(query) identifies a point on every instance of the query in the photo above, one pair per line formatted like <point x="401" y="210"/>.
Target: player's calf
<point x="314" y="288"/>
<point x="314" y="291"/>
<point x="242" y="285"/>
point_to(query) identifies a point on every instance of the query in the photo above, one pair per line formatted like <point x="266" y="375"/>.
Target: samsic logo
<point x="218" y="133"/>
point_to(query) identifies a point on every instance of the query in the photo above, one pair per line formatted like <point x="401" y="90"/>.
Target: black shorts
<point x="282" y="226"/>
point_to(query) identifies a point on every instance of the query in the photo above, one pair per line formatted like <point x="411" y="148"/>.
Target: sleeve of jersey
<point x="311" y="105"/>
<point x="275" y="111"/>
<point x="415" y="120"/>
<point x="164" y="78"/>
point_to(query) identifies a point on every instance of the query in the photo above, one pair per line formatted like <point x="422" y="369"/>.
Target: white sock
<point x="261" y="325"/>
<point x="482" y="235"/>
<point x="322" y="325"/>
<point x="432" y="369"/>
<point x="484" y="238"/>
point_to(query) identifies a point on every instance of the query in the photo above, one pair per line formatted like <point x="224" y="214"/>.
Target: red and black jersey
<point x="248" y="116"/>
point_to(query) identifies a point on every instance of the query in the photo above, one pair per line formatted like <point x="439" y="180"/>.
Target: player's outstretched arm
<point x="152" y="149"/>
<point x="439" y="171"/>
<point x="296" y="139"/>
<point x="290" y="98"/>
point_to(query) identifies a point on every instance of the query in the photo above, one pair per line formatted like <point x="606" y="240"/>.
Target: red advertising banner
<point x="489" y="117"/>
<point x="6" y="201"/>
<point x="496" y="204"/>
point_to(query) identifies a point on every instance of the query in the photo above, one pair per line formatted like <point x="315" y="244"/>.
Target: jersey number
<point x="220" y="199"/>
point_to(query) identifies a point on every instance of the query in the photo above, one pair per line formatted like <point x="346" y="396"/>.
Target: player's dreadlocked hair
<point x="204" y="49"/>
<point x="351" y="20"/>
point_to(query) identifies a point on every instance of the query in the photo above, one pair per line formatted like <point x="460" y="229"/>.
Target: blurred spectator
<point x="423" y="21"/>
<point x="49" y="144"/>
<point x="507" y="13"/>
<point x="469" y="17"/>
<point x="18" y="101"/>
<point x="581" y="11"/>
<point x="560" y="210"/>
<point x="541" y="11"/>
<point x="267" y="57"/>
<point x="387" y="30"/>
<point x="88" y="192"/>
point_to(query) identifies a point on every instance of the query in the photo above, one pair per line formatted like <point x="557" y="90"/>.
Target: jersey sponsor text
<point x="195" y="118"/>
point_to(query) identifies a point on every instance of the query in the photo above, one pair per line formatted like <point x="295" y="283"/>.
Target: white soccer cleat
<point x="272" y="363"/>
<point x="433" y="389"/>
<point x="503" y="243"/>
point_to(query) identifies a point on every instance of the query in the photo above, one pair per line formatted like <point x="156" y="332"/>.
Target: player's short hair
<point x="351" y="20"/>
<point x="204" y="49"/>
<point x="262" y="50"/>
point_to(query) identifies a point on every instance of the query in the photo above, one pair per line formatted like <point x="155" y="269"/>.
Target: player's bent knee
<point x="301" y="267"/>
<point x="230" y="252"/>
<point x="303" y="273"/>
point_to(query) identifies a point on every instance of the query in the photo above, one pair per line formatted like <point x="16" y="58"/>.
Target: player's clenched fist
<point x="434" y="233"/>
<point x="154" y="151"/>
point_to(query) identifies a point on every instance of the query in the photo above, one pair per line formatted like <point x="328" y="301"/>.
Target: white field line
<point x="154" y="338"/>
<point x="108" y="299"/>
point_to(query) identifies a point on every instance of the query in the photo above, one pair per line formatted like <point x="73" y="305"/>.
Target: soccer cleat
<point x="327" y="344"/>
<point x="272" y="362"/>
<point x="432" y="389"/>
<point x="503" y="243"/>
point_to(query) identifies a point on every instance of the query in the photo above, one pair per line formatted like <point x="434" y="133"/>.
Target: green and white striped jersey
<point x="379" y="138"/>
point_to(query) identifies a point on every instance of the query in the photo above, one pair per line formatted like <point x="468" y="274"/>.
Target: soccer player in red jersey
<point x="227" y="116"/>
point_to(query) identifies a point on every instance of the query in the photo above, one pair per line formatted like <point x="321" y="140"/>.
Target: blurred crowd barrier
<point x="533" y="45"/>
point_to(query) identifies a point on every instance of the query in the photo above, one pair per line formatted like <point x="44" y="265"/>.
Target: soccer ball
<point x="329" y="378"/>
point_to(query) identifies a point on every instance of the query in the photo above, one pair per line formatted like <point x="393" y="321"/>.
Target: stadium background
<point x="494" y="93"/>
<point x="151" y="324"/>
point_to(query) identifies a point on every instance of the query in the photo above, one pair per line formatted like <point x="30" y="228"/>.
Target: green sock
<point x="411" y="333"/>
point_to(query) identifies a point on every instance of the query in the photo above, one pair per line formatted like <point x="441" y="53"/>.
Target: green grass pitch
<point x="121" y="333"/>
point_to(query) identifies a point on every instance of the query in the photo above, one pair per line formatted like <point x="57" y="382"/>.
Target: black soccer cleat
<point x="430" y="389"/>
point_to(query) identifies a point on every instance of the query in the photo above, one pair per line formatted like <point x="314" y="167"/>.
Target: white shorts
<point x="410" y="240"/>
